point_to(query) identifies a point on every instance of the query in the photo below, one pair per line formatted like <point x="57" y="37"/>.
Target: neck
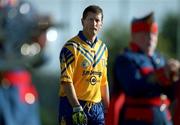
<point x="150" y="53"/>
<point x="135" y="47"/>
<point x="89" y="37"/>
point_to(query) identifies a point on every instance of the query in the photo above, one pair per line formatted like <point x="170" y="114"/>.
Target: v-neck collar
<point x="83" y="38"/>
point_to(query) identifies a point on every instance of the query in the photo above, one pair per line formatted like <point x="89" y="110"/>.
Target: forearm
<point x="71" y="94"/>
<point x="78" y="115"/>
<point x="105" y="96"/>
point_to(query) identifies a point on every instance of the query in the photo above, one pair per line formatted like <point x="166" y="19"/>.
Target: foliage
<point x="168" y="35"/>
<point x="47" y="86"/>
<point x="116" y="38"/>
<point x="164" y="47"/>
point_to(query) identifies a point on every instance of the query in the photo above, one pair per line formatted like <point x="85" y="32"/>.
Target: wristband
<point x="77" y="108"/>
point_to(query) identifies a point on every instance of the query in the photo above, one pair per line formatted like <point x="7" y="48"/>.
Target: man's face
<point x="147" y="41"/>
<point x="92" y="24"/>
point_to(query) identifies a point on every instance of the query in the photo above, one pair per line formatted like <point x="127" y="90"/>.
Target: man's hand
<point x="168" y="74"/>
<point x="79" y="117"/>
<point x="173" y="68"/>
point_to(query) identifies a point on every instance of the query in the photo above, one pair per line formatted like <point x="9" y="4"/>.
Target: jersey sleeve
<point x="104" y="73"/>
<point x="67" y="65"/>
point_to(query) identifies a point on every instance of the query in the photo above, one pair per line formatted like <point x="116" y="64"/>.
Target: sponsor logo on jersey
<point x="94" y="73"/>
<point x="93" y="80"/>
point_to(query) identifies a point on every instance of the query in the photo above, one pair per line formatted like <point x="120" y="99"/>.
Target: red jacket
<point x="176" y="118"/>
<point x="116" y="104"/>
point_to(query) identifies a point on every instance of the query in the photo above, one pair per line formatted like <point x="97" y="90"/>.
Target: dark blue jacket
<point x="135" y="72"/>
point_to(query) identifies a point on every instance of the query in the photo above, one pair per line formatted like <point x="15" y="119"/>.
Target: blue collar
<point x="83" y="38"/>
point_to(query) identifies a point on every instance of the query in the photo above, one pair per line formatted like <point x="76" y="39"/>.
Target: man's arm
<point x="70" y="93"/>
<point x="78" y="116"/>
<point x="105" y="96"/>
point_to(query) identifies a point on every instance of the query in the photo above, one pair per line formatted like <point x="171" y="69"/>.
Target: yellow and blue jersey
<point x="84" y="65"/>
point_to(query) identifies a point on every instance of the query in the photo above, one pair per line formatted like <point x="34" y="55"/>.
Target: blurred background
<point x="66" y="16"/>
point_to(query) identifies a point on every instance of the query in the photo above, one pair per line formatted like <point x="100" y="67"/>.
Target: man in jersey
<point x="84" y="91"/>
<point x="145" y="77"/>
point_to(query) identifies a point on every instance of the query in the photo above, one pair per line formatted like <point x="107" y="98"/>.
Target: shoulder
<point x="159" y="58"/>
<point x="102" y="44"/>
<point x="158" y="55"/>
<point x="127" y="56"/>
<point x="71" y="44"/>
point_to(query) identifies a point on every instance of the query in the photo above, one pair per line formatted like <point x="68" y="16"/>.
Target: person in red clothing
<point x="145" y="77"/>
<point x="176" y="118"/>
<point x="116" y="104"/>
<point x="21" y="44"/>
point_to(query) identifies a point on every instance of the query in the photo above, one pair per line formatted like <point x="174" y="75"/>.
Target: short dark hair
<point x="94" y="9"/>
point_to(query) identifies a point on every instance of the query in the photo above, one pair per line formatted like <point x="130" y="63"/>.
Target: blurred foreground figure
<point x="145" y="77"/>
<point x="22" y="38"/>
<point x="176" y="118"/>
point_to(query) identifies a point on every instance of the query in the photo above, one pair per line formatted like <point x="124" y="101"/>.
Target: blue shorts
<point x="95" y="113"/>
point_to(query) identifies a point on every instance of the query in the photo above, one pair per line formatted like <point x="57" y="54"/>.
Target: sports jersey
<point x="84" y="64"/>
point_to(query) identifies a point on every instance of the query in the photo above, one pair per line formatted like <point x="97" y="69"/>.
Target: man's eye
<point x="97" y="21"/>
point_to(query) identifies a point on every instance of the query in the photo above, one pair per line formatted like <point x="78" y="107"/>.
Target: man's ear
<point x="101" y="24"/>
<point x="82" y="21"/>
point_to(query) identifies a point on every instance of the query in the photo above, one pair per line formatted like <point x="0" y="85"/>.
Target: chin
<point x="150" y="53"/>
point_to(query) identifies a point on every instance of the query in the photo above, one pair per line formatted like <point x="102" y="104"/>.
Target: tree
<point x="117" y="38"/>
<point x="168" y="35"/>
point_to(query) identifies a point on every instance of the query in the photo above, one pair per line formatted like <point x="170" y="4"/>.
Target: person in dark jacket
<point x="145" y="76"/>
<point x="21" y="43"/>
